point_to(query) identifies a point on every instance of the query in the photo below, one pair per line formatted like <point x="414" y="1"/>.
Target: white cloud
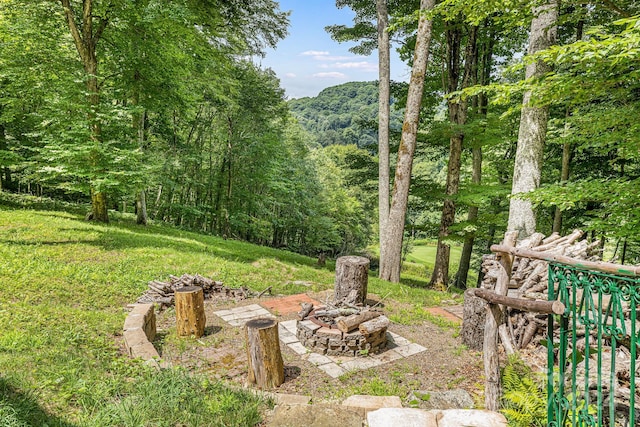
<point x="363" y="65"/>
<point x="330" y="75"/>
<point x="323" y="55"/>
<point x="315" y="53"/>
<point x="290" y="75"/>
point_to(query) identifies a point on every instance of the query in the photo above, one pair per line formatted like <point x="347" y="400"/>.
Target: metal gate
<point x="591" y="365"/>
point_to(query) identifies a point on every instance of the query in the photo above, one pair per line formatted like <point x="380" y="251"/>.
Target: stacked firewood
<point x="529" y="279"/>
<point x="163" y="292"/>
<point x="346" y="315"/>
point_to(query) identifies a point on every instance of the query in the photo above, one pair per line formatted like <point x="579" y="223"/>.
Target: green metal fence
<point x="592" y="361"/>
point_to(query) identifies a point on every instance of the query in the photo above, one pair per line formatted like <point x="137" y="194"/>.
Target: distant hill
<point x="343" y="114"/>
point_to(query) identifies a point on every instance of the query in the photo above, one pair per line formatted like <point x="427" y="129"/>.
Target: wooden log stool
<point x="266" y="367"/>
<point x="352" y="276"/>
<point x="190" y="317"/>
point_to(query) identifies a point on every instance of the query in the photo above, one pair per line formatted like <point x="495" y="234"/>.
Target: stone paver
<point x="238" y="316"/>
<point x="446" y="314"/>
<point x="364" y="403"/>
<point x="289" y="304"/>
<point x="332" y="369"/>
<point x="401" y="417"/>
<point x="334" y="366"/>
<point x="318" y="359"/>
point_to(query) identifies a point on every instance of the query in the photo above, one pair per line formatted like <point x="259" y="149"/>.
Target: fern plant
<point x="524" y="399"/>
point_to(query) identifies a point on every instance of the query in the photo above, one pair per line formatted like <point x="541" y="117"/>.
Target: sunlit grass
<point x="64" y="287"/>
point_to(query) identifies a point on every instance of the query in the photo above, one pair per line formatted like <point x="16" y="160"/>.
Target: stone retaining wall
<point x="139" y="331"/>
<point x="332" y="342"/>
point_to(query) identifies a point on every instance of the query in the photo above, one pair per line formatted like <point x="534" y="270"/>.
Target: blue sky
<point x="308" y="60"/>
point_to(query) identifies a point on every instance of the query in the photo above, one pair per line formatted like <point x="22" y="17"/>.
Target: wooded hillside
<point x="344" y="114"/>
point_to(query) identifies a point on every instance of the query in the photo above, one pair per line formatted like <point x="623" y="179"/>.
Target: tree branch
<point x="611" y="5"/>
<point x="75" y="32"/>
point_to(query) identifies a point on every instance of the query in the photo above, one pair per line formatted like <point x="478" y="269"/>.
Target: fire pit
<point x="345" y="327"/>
<point x="331" y="341"/>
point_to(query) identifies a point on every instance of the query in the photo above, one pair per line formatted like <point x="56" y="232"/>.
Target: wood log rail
<point x="603" y="267"/>
<point x="536" y="306"/>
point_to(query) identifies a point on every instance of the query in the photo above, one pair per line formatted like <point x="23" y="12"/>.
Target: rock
<point x="401" y="417"/>
<point x="470" y="418"/>
<point x="314" y="416"/>
<point x="447" y="399"/>
<point x="363" y="404"/>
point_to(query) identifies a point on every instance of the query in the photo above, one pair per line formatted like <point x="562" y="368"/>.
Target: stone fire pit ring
<point x="333" y="342"/>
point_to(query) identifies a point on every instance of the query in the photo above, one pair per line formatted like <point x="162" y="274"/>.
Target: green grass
<point x="419" y="263"/>
<point x="64" y="287"/>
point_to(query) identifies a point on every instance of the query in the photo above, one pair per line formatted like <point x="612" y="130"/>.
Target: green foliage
<point x="344" y="114"/>
<point x="524" y="399"/>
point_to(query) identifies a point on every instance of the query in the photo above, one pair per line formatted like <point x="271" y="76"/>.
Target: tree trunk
<point x="533" y="126"/>
<point x="190" y="317"/>
<point x="266" y="367"/>
<point x="384" y="78"/>
<point x="351" y="275"/>
<point x="472" y="216"/>
<point x="392" y="241"/>
<point x="564" y="177"/>
<point x="458" y="117"/>
<point x="86" y="39"/>
<point x="141" y="208"/>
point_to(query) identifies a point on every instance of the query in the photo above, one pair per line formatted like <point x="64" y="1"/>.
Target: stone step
<point x="374" y="411"/>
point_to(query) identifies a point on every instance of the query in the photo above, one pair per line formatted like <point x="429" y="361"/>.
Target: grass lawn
<point x="64" y="287"/>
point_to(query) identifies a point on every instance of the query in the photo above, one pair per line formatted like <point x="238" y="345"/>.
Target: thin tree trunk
<point x="472" y="216"/>
<point x="85" y="39"/>
<point x="384" y="68"/>
<point x="566" y="151"/>
<point x="533" y="126"/>
<point x="458" y="117"/>
<point x="392" y="242"/>
<point x="564" y="177"/>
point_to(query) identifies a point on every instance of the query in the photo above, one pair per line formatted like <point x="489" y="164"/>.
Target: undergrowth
<point x="524" y="398"/>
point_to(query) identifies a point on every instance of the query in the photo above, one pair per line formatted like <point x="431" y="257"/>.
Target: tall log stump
<point x="190" y="317"/>
<point x="266" y="368"/>
<point x="351" y="275"/>
<point x="473" y="321"/>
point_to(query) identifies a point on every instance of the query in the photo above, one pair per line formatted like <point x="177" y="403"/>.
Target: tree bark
<point x="384" y="94"/>
<point x="472" y="216"/>
<point x="190" y="317"/>
<point x="393" y="235"/>
<point x="141" y="208"/>
<point x="266" y="367"/>
<point x="349" y="323"/>
<point x="533" y="126"/>
<point x="458" y="117"/>
<point x="351" y="275"/>
<point x="86" y="39"/>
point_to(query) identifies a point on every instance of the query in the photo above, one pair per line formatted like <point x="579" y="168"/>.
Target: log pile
<point x="529" y="281"/>
<point x="163" y="293"/>
<point x="343" y="328"/>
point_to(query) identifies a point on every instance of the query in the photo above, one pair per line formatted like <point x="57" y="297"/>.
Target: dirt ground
<point x="220" y="354"/>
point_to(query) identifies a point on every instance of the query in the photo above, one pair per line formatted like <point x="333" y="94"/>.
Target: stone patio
<point x="334" y="366"/>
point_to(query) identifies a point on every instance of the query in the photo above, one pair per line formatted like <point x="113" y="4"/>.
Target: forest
<point x="157" y="109"/>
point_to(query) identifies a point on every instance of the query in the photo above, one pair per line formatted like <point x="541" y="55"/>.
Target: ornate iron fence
<point x="591" y="369"/>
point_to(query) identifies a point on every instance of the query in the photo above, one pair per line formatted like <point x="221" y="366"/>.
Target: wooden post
<point x="266" y="368"/>
<point x="190" y="317"/>
<point x="493" y="320"/>
<point x="352" y="274"/>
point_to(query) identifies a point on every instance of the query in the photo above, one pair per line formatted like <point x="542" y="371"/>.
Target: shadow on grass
<point x="123" y="234"/>
<point x="21" y="409"/>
